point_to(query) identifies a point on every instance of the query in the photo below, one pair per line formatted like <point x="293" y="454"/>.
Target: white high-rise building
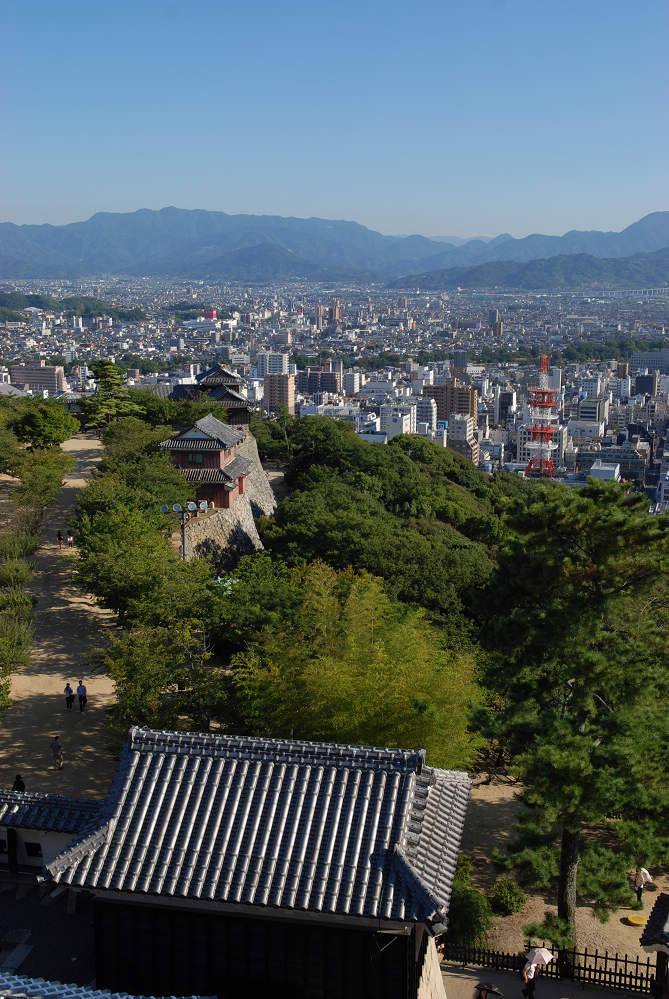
<point x="397" y="420"/>
<point x="270" y="363"/>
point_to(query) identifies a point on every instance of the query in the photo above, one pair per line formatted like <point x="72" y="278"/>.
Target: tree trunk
<point x="569" y="853"/>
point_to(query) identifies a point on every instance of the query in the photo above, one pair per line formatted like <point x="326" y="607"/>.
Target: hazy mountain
<point x="460" y="240"/>
<point x="648" y="234"/>
<point x="573" y="271"/>
<point x="265" y="247"/>
<point x="174" y="241"/>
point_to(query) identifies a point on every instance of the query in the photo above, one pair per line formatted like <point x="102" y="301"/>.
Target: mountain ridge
<point x="198" y="243"/>
<point x="561" y="272"/>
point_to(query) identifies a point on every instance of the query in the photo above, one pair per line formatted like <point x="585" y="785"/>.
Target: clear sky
<point x="444" y="117"/>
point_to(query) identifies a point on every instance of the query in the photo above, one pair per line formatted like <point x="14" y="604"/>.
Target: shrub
<point x="557" y="931"/>
<point x="507" y="897"/>
<point x="16" y="544"/>
<point x="16" y="600"/>
<point x="469" y="916"/>
<point x="15" y="572"/>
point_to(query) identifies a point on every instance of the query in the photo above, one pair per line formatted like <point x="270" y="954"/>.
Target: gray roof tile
<point x="30" y="810"/>
<point x="298" y="825"/>
<point x="20" y="987"/>
<point x="207" y="433"/>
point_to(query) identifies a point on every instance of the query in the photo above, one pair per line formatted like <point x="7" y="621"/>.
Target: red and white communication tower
<point x="542" y="404"/>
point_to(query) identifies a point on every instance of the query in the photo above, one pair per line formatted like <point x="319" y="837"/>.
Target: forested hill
<point x="574" y="271"/>
<point x="73" y="305"/>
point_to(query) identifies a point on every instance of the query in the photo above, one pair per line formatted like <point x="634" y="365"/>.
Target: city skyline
<point x="440" y="120"/>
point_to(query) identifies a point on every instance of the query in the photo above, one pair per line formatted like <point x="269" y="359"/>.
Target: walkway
<point x="67" y="625"/>
<point x="459" y="984"/>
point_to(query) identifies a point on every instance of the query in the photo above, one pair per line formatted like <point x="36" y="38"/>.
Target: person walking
<point x="70" y="537"/>
<point x="529" y="972"/>
<point x="60" y="540"/>
<point x="69" y="696"/>
<point x="82" y="695"/>
<point x="18" y="784"/>
<point x="640" y="877"/>
<point x="57" y="752"/>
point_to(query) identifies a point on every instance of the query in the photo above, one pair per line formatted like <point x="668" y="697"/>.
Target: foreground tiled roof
<point x="655" y="936"/>
<point x="296" y="825"/>
<point x="29" y="810"/>
<point x="20" y="987"/>
<point x="208" y="433"/>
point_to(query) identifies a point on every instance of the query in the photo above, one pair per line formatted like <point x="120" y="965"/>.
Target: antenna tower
<point x="543" y="413"/>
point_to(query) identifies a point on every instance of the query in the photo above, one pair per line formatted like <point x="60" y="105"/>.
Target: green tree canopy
<point x="577" y="625"/>
<point x="44" y="424"/>
<point x="350" y="665"/>
<point x="112" y="400"/>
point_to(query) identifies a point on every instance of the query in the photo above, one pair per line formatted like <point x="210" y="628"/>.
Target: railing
<point x="599" y="968"/>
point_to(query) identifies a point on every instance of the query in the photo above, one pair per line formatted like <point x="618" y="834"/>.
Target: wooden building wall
<point x="163" y="951"/>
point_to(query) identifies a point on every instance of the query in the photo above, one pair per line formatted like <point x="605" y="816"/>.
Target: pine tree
<point x="577" y="634"/>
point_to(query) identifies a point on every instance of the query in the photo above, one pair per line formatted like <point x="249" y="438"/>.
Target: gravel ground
<point x="490" y="819"/>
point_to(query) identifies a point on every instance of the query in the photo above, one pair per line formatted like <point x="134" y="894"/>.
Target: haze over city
<point x="452" y="119"/>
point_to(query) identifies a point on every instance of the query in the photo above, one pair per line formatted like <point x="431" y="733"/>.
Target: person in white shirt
<point x="529" y="972"/>
<point x="81" y="693"/>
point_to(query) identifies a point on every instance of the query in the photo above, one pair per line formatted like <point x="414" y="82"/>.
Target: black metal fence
<point x="598" y="968"/>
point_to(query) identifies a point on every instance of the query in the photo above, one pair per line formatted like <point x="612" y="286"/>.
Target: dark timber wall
<point x="160" y="951"/>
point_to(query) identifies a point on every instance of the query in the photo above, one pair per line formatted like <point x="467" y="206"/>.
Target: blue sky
<point x="444" y="118"/>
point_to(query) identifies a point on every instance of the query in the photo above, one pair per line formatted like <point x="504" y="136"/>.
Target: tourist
<point x="640" y="877"/>
<point x="60" y="540"/>
<point x="81" y="693"/>
<point x="69" y="696"/>
<point x="529" y="972"/>
<point x="70" y="537"/>
<point x="57" y="752"/>
<point x="18" y="784"/>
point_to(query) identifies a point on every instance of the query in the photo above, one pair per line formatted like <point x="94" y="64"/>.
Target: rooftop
<point x="20" y="987"/>
<point x="207" y="434"/>
<point x="52" y="812"/>
<point x="655" y="936"/>
<point x="321" y="828"/>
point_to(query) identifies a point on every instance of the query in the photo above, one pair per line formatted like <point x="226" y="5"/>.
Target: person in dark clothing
<point x="57" y="752"/>
<point x="70" y="537"/>
<point x="18" y="783"/>
<point x="60" y="539"/>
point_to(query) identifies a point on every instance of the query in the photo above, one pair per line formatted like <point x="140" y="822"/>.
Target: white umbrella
<point x="539" y="955"/>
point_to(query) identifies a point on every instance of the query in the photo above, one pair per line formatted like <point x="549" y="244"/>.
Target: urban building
<point x="451" y="396"/>
<point x="37" y="376"/>
<point x="461" y="437"/>
<point x="279" y="390"/>
<point x="650" y="360"/>
<point x="270" y="363"/>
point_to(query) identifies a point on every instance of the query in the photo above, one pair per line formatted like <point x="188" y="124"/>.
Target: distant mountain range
<point x="252" y="248"/>
<point x="573" y="271"/>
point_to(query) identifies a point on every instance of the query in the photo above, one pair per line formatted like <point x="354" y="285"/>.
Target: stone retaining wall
<point x="258" y="488"/>
<point x="225" y="535"/>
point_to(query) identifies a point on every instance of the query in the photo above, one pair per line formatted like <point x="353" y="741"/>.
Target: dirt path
<point x="490" y="818"/>
<point x="67" y="625"/>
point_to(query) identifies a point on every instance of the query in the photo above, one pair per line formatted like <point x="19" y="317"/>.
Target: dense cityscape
<point x="455" y="368"/>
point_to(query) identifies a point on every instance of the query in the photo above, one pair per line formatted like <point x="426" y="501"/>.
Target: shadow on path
<point x="67" y="625"/>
